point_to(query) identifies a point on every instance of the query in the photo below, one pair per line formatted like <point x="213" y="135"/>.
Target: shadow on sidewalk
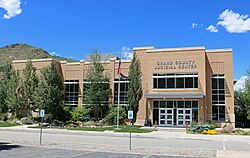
<point x="7" y="146"/>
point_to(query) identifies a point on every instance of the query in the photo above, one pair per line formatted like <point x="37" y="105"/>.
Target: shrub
<point x="3" y="117"/>
<point x="112" y="115"/>
<point x="79" y="112"/>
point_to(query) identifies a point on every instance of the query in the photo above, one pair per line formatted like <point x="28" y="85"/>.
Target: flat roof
<point x="175" y="95"/>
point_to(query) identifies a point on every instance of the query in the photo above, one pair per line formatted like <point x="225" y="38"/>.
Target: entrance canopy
<point x="175" y="95"/>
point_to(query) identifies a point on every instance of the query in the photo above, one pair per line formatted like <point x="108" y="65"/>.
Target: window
<point x="218" y="97"/>
<point x="175" y="80"/>
<point x="71" y="92"/>
<point x="123" y="92"/>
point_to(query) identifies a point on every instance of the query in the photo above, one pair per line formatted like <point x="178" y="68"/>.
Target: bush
<point x="112" y="115"/>
<point x="3" y="117"/>
<point x="78" y="113"/>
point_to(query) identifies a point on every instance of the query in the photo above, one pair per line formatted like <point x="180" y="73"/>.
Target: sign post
<point x="42" y="113"/>
<point x="130" y="117"/>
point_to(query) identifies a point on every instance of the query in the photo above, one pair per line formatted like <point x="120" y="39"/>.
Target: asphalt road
<point x="15" y="151"/>
<point x="164" y="143"/>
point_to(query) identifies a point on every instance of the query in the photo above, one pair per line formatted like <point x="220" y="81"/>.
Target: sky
<point x="73" y="28"/>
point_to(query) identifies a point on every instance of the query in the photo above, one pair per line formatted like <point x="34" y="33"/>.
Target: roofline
<point x="33" y="60"/>
<point x="143" y="48"/>
<point x="176" y="49"/>
<point x="219" y="50"/>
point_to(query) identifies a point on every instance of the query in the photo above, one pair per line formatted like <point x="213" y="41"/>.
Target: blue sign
<point x="130" y="114"/>
<point x="42" y="113"/>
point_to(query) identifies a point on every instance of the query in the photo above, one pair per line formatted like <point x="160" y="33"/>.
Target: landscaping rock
<point x="26" y="120"/>
<point x="90" y="123"/>
<point x="16" y="121"/>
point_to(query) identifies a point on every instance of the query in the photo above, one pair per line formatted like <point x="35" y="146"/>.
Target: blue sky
<point x="73" y="28"/>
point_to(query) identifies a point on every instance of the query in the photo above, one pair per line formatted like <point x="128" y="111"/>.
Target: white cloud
<point x="12" y="8"/>
<point x="126" y="52"/>
<point x="54" y="54"/>
<point x="234" y="22"/>
<point x="212" y="28"/>
<point x="195" y="25"/>
<point x="239" y="85"/>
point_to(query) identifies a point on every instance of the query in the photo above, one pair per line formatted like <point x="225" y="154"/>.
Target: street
<point x="156" y="143"/>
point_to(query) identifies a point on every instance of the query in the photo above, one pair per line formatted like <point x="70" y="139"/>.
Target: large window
<point x="218" y="97"/>
<point x="123" y="92"/>
<point x="71" y="92"/>
<point x="175" y="80"/>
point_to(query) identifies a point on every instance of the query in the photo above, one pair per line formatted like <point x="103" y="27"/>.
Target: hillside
<point x="23" y="51"/>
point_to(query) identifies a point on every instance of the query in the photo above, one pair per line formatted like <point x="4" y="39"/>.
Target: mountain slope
<point x="23" y="51"/>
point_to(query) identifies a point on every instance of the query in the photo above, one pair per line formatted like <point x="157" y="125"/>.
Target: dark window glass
<point x="161" y="83"/>
<point x="215" y="97"/>
<point x="222" y="113"/>
<point x="180" y="104"/>
<point x="195" y="115"/>
<point x="189" y="82"/>
<point x="170" y="104"/>
<point x="179" y="82"/>
<point x="195" y="104"/>
<point x="187" y="104"/>
<point x="155" y="83"/>
<point x="221" y="83"/>
<point x="170" y="83"/>
<point x="195" y="82"/>
<point x="215" y="113"/>
<point x="156" y="105"/>
<point x="162" y="104"/>
<point x="214" y="83"/>
<point x="156" y="116"/>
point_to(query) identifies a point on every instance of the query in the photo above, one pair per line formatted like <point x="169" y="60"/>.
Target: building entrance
<point x="175" y="116"/>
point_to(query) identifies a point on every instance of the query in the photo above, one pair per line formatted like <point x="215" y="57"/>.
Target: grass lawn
<point x="7" y="124"/>
<point x="97" y="129"/>
<point x="134" y="129"/>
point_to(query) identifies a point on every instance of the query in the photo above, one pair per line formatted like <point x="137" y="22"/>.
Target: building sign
<point x="176" y="64"/>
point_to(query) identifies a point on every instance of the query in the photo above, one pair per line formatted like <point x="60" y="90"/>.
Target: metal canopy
<point x="179" y="95"/>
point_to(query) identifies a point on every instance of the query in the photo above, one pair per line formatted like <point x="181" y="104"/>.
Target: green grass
<point x="97" y="129"/>
<point x="7" y="124"/>
<point x="134" y="129"/>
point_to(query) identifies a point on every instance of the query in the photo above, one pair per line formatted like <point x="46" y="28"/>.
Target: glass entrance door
<point x="183" y="116"/>
<point x="166" y="117"/>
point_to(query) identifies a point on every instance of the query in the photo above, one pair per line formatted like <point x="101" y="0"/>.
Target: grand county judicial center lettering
<point x="176" y="64"/>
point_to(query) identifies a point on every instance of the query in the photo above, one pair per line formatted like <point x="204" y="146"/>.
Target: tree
<point x="242" y="103"/>
<point x="5" y="76"/>
<point x="50" y="93"/>
<point x="13" y="95"/>
<point x="29" y="83"/>
<point x="135" y="87"/>
<point x="96" y="87"/>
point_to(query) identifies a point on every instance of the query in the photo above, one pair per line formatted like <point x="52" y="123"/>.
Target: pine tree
<point x="135" y="87"/>
<point x="13" y="95"/>
<point x="5" y="75"/>
<point x="29" y="83"/>
<point x="49" y="94"/>
<point x="96" y="87"/>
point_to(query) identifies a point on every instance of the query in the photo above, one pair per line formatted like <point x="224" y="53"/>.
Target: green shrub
<point x="3" y="117"/>
<point x="111" y="117"/>
<point x="211" y="126"/>
<point x="79" y="112"/>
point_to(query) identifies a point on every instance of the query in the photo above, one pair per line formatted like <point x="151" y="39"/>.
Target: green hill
<point x="23" y="51"/>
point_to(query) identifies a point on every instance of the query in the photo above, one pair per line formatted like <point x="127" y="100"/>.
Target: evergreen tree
<point x="96" y="88"/>
<point x="13" y="95"/>
<point x="135" y="87"/>
<point x="29" y="83"/>
<point x="5" y="75"/>
<point x="49" y="94"/>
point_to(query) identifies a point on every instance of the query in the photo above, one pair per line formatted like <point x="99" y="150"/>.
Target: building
<point x="180" y="85"/>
